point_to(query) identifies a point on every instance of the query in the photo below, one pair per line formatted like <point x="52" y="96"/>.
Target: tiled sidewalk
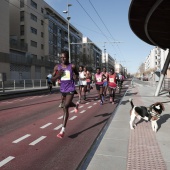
<point x="139" y="149"/>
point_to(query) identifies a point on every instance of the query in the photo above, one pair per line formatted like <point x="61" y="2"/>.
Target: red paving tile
<point x="144" y="152"/>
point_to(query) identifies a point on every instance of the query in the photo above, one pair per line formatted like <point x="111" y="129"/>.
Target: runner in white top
<point x="82" y="83"/>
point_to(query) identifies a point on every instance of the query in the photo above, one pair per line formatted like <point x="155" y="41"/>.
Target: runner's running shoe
<point x="61" y="105"/>
<point x="76" y="108"/>
<point x="60" y="135"/>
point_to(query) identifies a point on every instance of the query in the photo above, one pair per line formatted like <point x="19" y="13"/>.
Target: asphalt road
<point x="29" y="125"/>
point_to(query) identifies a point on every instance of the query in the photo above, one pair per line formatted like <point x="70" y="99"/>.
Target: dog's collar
<point x="154" y="113"/>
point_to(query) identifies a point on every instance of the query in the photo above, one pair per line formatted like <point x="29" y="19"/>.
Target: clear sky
<point x="107" y="21"/>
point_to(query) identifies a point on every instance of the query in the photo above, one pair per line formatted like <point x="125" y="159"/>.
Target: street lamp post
<point x="105" y="56"/>
<point x="68" y="20"/>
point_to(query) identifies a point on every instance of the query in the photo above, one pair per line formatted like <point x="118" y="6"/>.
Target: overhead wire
<point x="105" y="26"/>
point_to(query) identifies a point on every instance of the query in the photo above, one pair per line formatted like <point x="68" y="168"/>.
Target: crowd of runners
<point x="67" y="74"/>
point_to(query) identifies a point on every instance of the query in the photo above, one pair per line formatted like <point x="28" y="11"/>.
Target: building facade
<point x="33" y="35"/>
<point x="107" y="61"/>
<point x="4" y="40"/>
<point x="37" y="34"/>
<point x="92" y="55"/>
<point x="156" y="59"/>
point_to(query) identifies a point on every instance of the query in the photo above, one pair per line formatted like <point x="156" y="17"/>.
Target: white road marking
<point x="39" y="96"/>
<point x="58" y="127"/>
<point x="21" y="138"/>
<point x="72" y="111"/>
<point x="82" y="111"/>
<point x="3" y="162"/>
<point x="24" y="99"/>
<point x="7" y="102"/>
<point x="60" y="117"/>
<point x="48" y="124"/>
<point x="38" y="140"/>
<point x="89" y="107"/>
<point x="94" y="103"/>
<point x="87" y="103"/>
<point x="72" y="118"/>
<point x="16" y="100"/>
<point x="33" y="97"/>
<point x="81" y="106"/>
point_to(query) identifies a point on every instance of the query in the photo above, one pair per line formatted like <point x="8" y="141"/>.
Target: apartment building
<point x="119" y="68"/>
<point x="107" y="61"/>
<point x="4" y="38"/>
<point x="92" y="55"/>
<point x="156" y="59"/>
<point x="37" y="34"/>
<point x="32" y="36"/>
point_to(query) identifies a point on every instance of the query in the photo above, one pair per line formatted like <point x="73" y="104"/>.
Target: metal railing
<point x="166" y="84"/>
<point x="10" y="85"/>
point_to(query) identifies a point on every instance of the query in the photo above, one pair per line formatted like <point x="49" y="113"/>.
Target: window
<point x="22" y="30"/>
<point x="33" y="4"/>
<point x="33" y="17"/>
<point x="42" y="34"/>
<point x="33" y="30"/>
<point x="42" y="22"/>
<point x="22" y="41"/>
<point x="42" y="10"/>
<point x="42" y="46"/>
<point x="42" y="58"/>
<point x="21" y="3"/>
<point x="33" y="43"/>
<point x="34" y="56"/>
<point x="21" y="15"/>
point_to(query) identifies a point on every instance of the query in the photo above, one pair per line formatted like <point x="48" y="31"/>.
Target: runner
<point x="50" y="84"/>
<point x="65" y="72"/>
<point x="88" y="79"/>
<point x="112" y="84"/>
<point x="105" y="82"/>
<point x="99" y="84"/>
<point x="82" y="83"/>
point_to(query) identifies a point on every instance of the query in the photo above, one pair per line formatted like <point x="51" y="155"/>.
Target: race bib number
<point x="111" y="80"/>
<point x="99" y="79"/>
<point x="66" y="75"/>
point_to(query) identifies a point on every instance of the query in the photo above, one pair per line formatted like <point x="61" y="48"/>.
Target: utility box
<point x="3" y="77"/>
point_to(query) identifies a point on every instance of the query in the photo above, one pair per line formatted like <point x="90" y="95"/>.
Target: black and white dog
<point x="151" y="113"/>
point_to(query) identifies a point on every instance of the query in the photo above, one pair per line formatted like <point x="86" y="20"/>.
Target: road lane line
<point x="87" y="103"/>
<point x="38" y="140"/>
<point x="24" y="99"/>
<point x="7" y="102"/>
<point x="82" y="111"/>
<point x="72" y="118"/>
<point x="81" y="106"/>
<point x="3" y="162"/>
<point x="21" y="138"/>
<point x="60" y="117"/>
<point x="72" y="111"/>
<point x="89" y="107"/>
<point x="94" y="103"/>
<point x="48" y="124"/>
<point x="33" y="97"/>
<point x="58" y="127"/>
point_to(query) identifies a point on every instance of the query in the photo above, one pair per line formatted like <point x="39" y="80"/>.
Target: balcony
<point x="16" y="45"/>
